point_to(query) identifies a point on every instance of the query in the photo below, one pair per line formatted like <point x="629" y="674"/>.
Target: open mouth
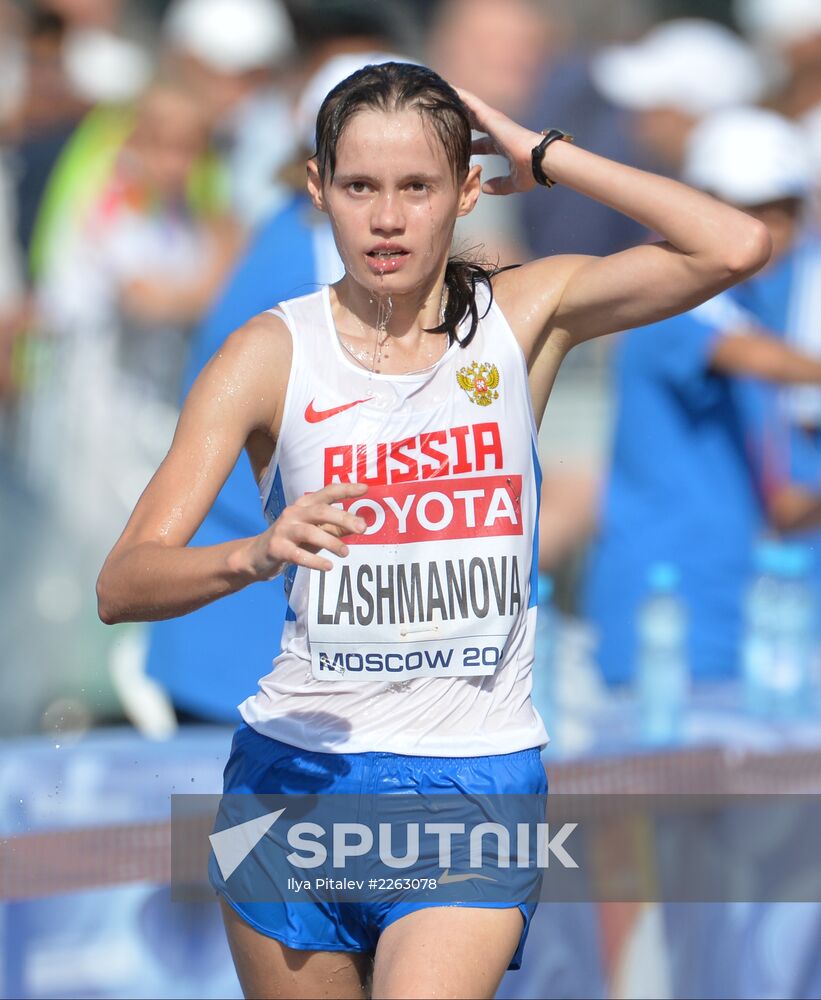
<point x="386" y="254"/>
<point x="386" y="260"/>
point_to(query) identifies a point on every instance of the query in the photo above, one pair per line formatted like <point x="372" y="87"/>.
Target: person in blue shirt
<point x="705" y="459"/>
<point x="786" y="298"/>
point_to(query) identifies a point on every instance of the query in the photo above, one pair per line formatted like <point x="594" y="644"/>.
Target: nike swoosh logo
<point x="314" y="416"/>
<point x="447" y="878"/>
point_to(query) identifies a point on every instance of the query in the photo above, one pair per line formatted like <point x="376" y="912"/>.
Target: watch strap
<point x="537" y="154"/>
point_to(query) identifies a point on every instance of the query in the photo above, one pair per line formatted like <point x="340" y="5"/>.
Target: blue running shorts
<point x="259" y="765"/>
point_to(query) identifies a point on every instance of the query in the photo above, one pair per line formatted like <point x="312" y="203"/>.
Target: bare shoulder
<point x="251" y="368"/>
<point x="261" y="342"/>
<point x="529" y="296"/>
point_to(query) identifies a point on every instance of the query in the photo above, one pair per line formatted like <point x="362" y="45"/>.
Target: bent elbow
<point x="105" y="607"/>
<point x="751" y="252"/>
<point x="106" y="616"/>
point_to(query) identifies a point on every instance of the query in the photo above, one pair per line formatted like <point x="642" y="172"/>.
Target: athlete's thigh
<point x="266" y="968"/>
<point x="446" y="951"/>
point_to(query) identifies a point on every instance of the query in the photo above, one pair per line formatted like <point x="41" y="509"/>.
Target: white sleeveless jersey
<point x="421" y="640"/>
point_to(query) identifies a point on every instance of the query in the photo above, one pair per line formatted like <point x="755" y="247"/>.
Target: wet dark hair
<point x="393" y="86"/>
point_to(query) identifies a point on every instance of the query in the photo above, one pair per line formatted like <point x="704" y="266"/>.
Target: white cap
<point x="329" y="74"/>
<point x="232" y="36"/>
<point x="103" y="67"/>
<point x="779" y="22"/>
<point x="748" y="156"/>
<point x="695" y="65"/>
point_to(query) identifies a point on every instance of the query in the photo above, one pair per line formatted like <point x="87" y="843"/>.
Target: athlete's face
<point x="393" y="200"/>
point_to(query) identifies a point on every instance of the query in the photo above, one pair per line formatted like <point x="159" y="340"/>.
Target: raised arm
<point x="150" y="573"/>
<point x="706" y="246"/>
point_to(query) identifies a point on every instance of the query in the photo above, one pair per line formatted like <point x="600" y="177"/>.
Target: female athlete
<point x="391" y="421"/>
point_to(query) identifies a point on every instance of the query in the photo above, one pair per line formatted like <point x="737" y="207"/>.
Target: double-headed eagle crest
<point x="479" y="380"/>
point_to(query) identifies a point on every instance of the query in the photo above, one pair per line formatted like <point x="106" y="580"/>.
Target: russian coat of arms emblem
<point x="479" y="380"/>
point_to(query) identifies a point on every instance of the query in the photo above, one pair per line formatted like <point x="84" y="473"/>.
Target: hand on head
<point x="503" y="137"/>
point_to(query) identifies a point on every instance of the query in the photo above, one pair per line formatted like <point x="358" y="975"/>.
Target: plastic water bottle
<point x="544" y="672"/>
<point x="780" y="632"/>
<point x="662" y="675"/>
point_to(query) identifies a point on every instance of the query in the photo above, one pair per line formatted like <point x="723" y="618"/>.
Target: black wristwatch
<point x="537" y="154"/>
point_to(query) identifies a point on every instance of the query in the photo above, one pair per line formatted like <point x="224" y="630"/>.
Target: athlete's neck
<point x="402" y="317"/>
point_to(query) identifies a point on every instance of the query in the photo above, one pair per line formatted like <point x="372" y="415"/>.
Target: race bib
<point x="373" y="618"/>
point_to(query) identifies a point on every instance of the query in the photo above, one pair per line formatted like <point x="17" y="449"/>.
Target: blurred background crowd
<point x="152" y="199"/>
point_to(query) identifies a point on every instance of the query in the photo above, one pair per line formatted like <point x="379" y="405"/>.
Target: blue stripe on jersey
<point x="534" y="563"/>
<point x="274" y="505"/>
<point x="275" y="501"/>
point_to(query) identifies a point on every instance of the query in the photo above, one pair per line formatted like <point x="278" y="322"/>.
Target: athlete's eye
<point x="418" y="187"/>
<point x="357" y="187"/>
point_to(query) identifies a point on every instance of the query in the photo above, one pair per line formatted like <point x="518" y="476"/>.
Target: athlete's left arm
<point x="707" y="246"/>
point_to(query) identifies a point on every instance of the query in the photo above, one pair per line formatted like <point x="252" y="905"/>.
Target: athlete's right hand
<point x="303" y="529"/>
